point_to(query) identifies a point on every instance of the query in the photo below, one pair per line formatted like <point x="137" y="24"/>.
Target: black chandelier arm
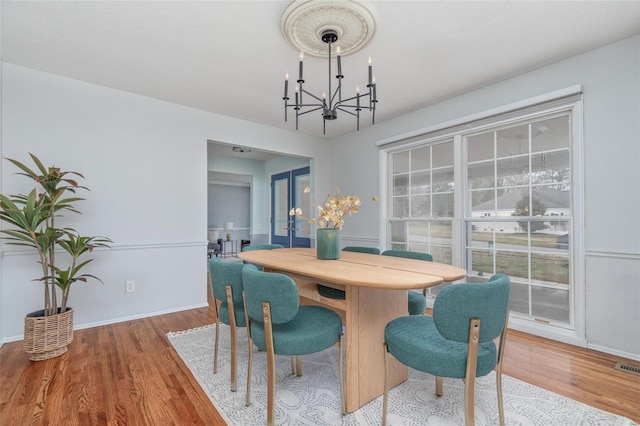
<point x="341" y="108"/>
<point x="307" y="112"/>
<point x="313" y="96"/>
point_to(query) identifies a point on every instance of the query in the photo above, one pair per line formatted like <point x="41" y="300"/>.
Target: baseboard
<point x="604" y="349"/>
<point x="117" y="320"/>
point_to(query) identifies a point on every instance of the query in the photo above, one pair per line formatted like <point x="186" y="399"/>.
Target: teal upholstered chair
<point x="334" y="293"/>
<point x="417" y="303"/>
<point x="279" y="325"/>
<point x="262" y="247"/>
<point x="457" y="341"/>
<point x="226" y="282"/>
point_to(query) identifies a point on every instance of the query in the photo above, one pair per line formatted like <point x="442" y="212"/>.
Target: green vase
<point x="328" y="243"/>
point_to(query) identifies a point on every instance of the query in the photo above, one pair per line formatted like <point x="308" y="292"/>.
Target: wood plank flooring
<point x="128" y="374"/>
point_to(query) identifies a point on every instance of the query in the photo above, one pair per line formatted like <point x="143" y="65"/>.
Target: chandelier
<point x="314" y="27"/>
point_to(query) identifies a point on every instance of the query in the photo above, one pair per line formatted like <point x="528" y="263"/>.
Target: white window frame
<point x="569" y="99"/>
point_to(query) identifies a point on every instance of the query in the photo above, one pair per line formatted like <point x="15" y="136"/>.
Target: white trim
<point x="616" y="352"/>
<point x="121" y="319"/>
<point x="558" y="94"/>
<point x="116" y="247"/>
<point x="612" y="255"/>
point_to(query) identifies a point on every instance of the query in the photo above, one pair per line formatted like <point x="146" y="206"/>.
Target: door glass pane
<point x="281" y="210"/>
<point x="302" y="199"/>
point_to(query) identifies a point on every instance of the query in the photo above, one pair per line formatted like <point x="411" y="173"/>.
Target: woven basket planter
<point x="47" y="337"/>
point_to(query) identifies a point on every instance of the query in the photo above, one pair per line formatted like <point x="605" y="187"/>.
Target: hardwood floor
<point x="128" y="373"/>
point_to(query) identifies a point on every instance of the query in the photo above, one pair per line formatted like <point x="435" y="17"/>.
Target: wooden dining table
<point x="375" y="293"/>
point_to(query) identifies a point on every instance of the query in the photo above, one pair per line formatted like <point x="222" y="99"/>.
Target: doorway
<point x="287" y="192"/>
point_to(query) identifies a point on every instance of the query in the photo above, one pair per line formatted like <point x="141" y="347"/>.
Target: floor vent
<point x="628" y="368"/>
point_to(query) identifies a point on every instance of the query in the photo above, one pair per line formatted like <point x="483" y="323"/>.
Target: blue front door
<point x="287" y="192"/>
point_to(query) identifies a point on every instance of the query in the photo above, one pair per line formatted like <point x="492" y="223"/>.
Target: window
<point x="422" y="200"/>
<point x="504" y="203"/>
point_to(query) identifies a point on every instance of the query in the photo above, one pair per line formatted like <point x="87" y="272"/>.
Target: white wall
<point x="610" y="77"/>
<point x="145" y="162"/>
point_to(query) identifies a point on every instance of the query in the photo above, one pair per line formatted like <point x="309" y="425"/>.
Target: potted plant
<point x="32" y="217"/>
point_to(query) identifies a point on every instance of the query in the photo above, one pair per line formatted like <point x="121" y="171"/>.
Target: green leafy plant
<point x="32" y="218"/>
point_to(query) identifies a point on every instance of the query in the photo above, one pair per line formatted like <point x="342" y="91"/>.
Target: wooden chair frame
<point x="271" y="365"/>
<point x="470" y="377"/>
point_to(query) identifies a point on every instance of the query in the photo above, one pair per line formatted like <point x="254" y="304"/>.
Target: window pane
<point x="551" y="167"/>
<point x="483" y="203"/>
<point x="421" y="206"/>
<point x="512" y="141"/>
<point x="443" y="180"/>
<point x="554" y="238"/>
<point x="420" y="183"/>
<point x="551" y="134"/>
<point x="548" y="269"/>
<point x="481" y="262"/>
<point x="400" y="207"/>
<point x="442" y="154"/>
<point x="398" y="232"/>
<point x="420" y="159"/>
<point x="482" y="175"/>
<point x="281" y="211"/>
<point x="443" y="205"/>
<point x="550" y="303"/>
<point x="513" y="171"/>
<point x="400" y="162"/>
<point x="303" y="227"/>
<point x="401" y="185"/>
<point x="480" y="147"/>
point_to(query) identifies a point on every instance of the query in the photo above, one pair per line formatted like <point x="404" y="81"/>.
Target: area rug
<point x="314" y="398"/>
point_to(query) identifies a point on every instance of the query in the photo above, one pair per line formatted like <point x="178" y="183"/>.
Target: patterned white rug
<point x="314" y="399"/>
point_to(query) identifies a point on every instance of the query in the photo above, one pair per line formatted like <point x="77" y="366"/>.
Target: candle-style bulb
<point x="369" y="60"/>
<point x="302" y="56"/>
<point x="358" y="89"/>
<point x="286" y="76"/>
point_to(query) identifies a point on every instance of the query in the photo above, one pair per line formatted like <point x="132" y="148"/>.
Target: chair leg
<point x="271" y="367"/>
<point x="247" y="401"/>
<point x="298" y="365"/>
<point x="293" y="366"/>
<point x="385" y="395"/>
<point x="439" y="391"/>
<point x="470" y="377"/>
<point x="233" y="332"/>
<point x="500" y="404"/>
<point x="215" y="344"/>
<point x="343" y="409"/>
<point x="503" y="340"/>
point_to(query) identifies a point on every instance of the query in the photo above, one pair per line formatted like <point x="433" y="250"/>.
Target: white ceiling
<point x="229" y="57"/>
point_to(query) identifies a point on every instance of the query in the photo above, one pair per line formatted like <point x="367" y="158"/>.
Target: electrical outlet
<point x="129" y="286"/>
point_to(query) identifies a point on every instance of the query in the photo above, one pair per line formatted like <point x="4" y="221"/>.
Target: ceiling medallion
<point x="304" y="22"/>
<point x="326" y="28"/>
